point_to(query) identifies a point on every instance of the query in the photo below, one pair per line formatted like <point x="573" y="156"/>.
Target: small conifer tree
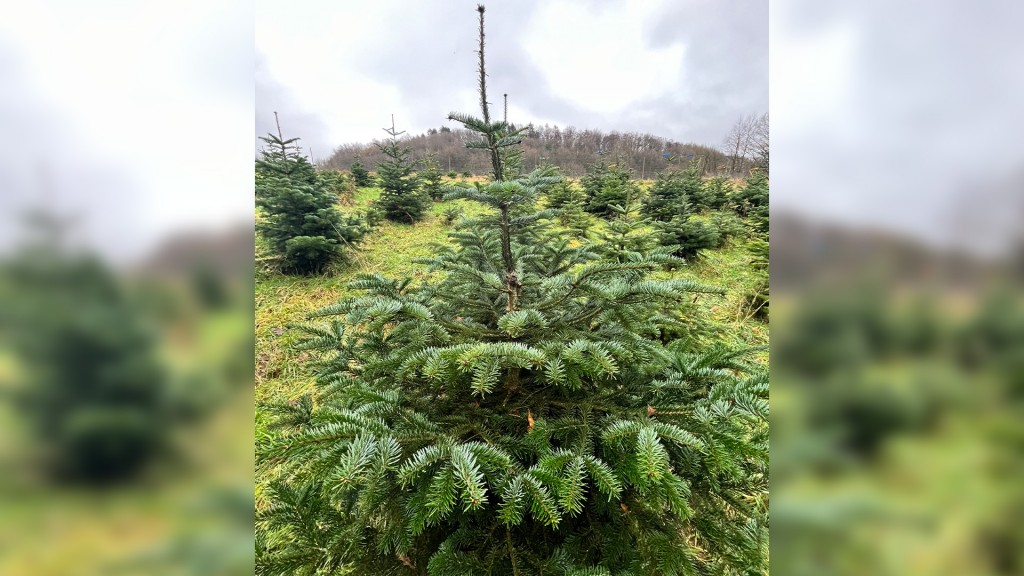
<point x="689" y="234"/>
<point x="360" y="174"/>
<point x="756" y="299"/>
<point x="715" y="193"/>
<point x="401" y="198"/>
<point x="282" y="158"/>
<point x="340" y="183"/>
<point x="94" y="394"/>
<point x="607" y="184"/>
<point x="431" y="177"/>
<point x="629" y="237"/>
<point x="752" y="200"/>
<point x="564" y="191"/>
<point x="574" y="218"/>
<point x="673" y="193"/>
<point x="300" y="220"/>
<point x="520" y="416"/>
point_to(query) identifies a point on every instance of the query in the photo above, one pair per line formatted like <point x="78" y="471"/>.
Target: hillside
<point x="571" y="149"/>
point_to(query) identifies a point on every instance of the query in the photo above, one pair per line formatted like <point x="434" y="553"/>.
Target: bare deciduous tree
<point x="739" y="142"/>
<point x="759" y="143"/>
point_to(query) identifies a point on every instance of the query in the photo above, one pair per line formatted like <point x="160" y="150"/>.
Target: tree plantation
<point x="516" y="374"/>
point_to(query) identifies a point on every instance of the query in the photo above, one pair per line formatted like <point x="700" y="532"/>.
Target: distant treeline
<point x="571" y="149"/>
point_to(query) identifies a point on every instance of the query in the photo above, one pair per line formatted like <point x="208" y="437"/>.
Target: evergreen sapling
<point x="431" y="177"/>
<point x="606" y="184"/>
<point x="360" y="174"/>
<point x="401" y="198"/>
<point x="300" y="219"/>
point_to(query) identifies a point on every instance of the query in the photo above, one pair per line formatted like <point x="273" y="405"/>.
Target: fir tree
<point x="282" y="158"/>
<point x="715" y="193"/>
<point x="301" y="221"/>
<point x="95" y="395"/>
<point x="569" y="202"/>
<point x="564" y="191"/>
<point x="574" y="218"/>
<point x="756" y="299"/>
<point x="607" y="184"/>
<point x="752" y="200"/>
<point x="689" y="234"/>
<point x="431" y="177"/>
<point x="672" y="194"/>
<point x="629" y="237"/>
<point x="360" y="174"/>
<point x="340" y="183"/>
<point x="401" y="198"/>
<point x="520" y="416"/>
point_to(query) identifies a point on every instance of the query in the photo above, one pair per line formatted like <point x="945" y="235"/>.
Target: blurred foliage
<point x="92" y="391"/>
<point x="124" y="397"/>
<point x="898" y="436"/>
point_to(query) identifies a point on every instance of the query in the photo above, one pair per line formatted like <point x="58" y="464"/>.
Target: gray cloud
<point x="725" y="66"/>
<point x="43" y="165"/>
<point x="929" y="124"/>
<point x="272" y="96"/>
<point x="436" y="57"/>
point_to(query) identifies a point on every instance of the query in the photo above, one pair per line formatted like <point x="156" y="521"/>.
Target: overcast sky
<point x="901" y="115"/>
<point x="684" y="70"/>
<point x="883" y="114"/>
<point x="135" y="117"/>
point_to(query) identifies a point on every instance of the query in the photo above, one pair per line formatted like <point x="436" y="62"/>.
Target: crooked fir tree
<point x="522" y="415"/>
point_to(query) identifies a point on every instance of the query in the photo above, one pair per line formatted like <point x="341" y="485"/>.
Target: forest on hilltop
<point x="571" y="149"/>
